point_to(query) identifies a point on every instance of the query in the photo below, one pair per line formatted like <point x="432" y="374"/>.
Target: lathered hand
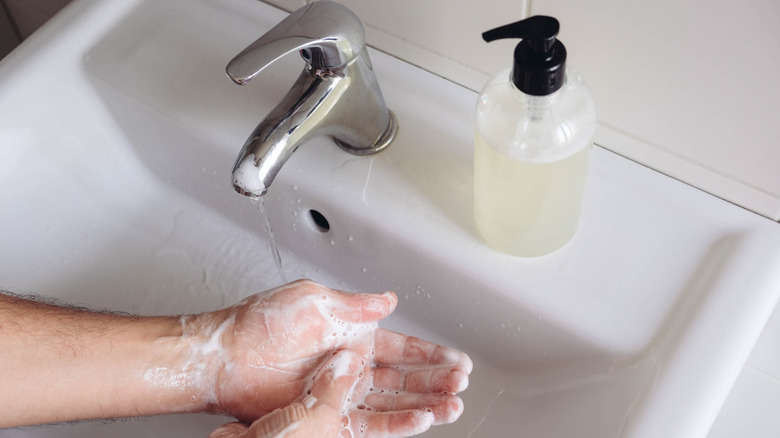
<point x="268" y="357"/>
<point x="327" y="411"/>
<point x="263" y="353"/>
<point x="318" y="413"/>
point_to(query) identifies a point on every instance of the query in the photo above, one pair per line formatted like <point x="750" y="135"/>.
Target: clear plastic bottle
<point x="532" y="153"/>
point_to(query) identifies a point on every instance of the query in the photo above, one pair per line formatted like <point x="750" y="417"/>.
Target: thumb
<point x="336" y="380"/>
<point x="230" y="430"/>
<point x="320" y="412"/>
<point x="284" y="422"/>
<point x="362" y="307"/>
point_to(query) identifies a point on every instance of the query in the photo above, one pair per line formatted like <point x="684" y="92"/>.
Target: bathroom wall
<point x="9" y="39"/>
<point x="20" y="18"/>
<point x="29" y="15"/>
<point x="687" y="88"/>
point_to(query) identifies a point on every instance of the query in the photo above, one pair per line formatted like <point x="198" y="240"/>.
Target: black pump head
<point x="539" y="59"/>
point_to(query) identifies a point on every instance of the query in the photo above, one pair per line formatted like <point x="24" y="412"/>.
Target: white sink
<point x="118" y="130"/>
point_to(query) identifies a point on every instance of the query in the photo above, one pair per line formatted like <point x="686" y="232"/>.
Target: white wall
<point x="685" y="87"/>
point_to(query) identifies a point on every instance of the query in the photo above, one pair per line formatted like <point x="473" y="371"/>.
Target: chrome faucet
<point x="336" y="94"/>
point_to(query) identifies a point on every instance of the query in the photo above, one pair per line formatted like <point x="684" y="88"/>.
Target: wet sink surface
<point x="116" y="182"/>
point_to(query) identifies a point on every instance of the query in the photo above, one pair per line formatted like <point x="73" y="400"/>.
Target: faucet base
<point x="382" y="142"/>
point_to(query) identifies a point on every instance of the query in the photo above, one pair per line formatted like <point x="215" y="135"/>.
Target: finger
<point x="446" y="408"/>
<point x="296" y="420"/>
<point x="397" y="349"/>
<point x="276" y="422"/>
<point x="230" y="430"/>
<point x="427" y="380"/>
<point x="393" y="424"/>
<point x="362" y="307"/>
<point x="347" y="306"/>
<point x="335" y="381"/>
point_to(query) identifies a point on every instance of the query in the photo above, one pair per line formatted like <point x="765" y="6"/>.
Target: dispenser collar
<point x="539" y="59"/>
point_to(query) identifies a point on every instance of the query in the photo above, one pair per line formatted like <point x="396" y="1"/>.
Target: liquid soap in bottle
<point x="535" y="122"/>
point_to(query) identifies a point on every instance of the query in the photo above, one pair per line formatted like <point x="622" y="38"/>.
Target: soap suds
<point x="340" y="366"/>
<point x="167" y="378"/>
<point x="247" y="177"/>
<point x="280" y="351"/>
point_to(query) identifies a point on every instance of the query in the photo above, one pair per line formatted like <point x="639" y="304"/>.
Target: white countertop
<point x="753" y="407"/>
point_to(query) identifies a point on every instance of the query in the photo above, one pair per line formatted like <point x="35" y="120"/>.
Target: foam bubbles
<point x="247" y="177"/>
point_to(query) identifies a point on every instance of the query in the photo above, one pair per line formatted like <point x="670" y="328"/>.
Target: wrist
<point x="168" y="383"/>
<point x="201" y="359"/>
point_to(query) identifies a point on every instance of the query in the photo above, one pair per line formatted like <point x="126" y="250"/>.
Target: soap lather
<point x="535" y="122"/>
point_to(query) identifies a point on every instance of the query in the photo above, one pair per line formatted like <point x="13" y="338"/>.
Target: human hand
<point x="328" y="410"/>
<point x="317" y="414"/>
<point x="259" y="355"/>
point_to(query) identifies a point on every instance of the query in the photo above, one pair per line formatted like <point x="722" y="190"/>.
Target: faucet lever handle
<point x="328" y="35"/>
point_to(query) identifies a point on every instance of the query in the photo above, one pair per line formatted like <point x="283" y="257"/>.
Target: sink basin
<point x="118" y="130"/>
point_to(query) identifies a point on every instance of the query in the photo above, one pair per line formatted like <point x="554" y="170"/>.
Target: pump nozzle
<point x="540" y="59"/>
<point x="540" y="32"/>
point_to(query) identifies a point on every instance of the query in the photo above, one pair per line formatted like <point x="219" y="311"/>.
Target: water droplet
<point x="364" y="269"/>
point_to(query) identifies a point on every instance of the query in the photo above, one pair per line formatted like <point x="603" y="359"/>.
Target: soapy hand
<point x="325" y="411"/>
<point x="317" y="414"/>
<point x="266" y="353"/>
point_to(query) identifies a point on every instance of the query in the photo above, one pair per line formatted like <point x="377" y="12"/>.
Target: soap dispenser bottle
<point x="535" y="122"/>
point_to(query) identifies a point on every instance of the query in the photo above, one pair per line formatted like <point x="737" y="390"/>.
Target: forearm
<point x="61" y="364"/>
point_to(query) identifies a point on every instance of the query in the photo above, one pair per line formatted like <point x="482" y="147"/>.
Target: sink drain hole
<point x="320" y="222"/>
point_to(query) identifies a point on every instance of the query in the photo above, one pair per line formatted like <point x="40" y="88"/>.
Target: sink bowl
<point x="118" y="130"/>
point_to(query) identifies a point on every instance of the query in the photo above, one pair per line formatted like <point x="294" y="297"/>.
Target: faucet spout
<point x="336" y="94"/>
<point x="275" y="138"/>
